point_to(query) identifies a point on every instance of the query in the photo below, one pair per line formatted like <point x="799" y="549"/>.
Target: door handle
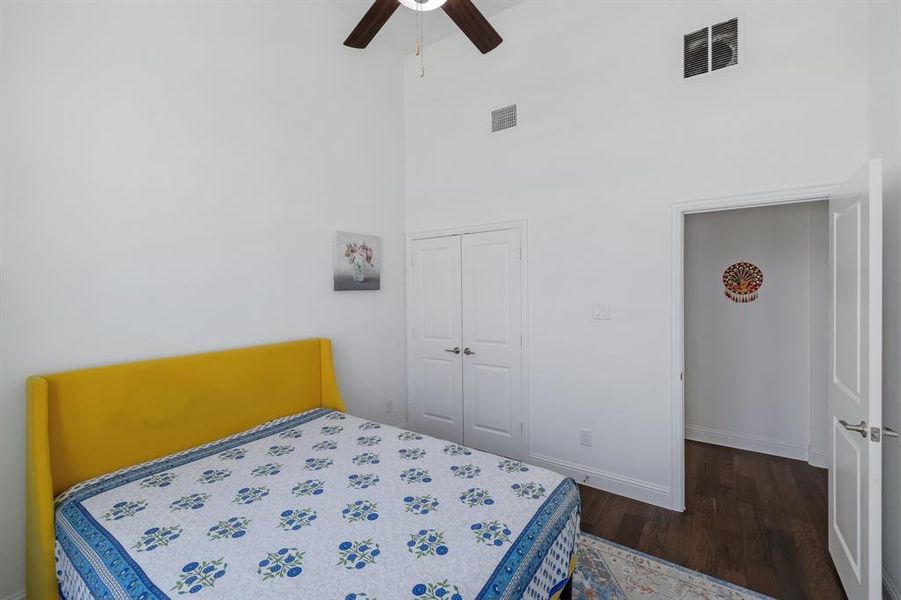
<point x="456" y="350"/>
<point x="860" y="428"/>
<point x="468" y="352"/>
<point x="889" y="432"/>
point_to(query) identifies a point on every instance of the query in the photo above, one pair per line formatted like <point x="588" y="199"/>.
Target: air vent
<point x="711" y="49"/>
<point x="503" y="118"/>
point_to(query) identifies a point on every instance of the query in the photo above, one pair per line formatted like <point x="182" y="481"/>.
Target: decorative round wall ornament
<point x="743" y="281"/>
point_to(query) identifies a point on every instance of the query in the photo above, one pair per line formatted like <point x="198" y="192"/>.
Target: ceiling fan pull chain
<point x="418" y="32"/>
<point x="421" y="62"/>
<point x="419" y="48"/>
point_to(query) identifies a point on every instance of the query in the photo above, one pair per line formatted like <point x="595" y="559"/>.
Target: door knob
<point x="456" y="350"/>
<point x="860" y="428"/>
<point x="468" y="352"/>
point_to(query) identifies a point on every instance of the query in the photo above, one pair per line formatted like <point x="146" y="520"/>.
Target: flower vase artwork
<point x="359" y="255"/>
<point x="357" y="258"/>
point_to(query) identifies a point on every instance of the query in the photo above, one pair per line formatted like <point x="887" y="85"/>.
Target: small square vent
<point x="503" y="118"/>
<point x="710" y="49"/>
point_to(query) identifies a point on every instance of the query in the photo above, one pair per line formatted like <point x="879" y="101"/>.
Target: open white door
<point x="435" y="356"/>
<point x="855" y="390"/>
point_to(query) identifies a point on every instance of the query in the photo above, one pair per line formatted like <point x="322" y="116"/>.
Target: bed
<point x="238" y="474"/>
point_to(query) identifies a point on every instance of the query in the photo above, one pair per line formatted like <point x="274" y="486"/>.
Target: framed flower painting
<point x="357" y="261"/>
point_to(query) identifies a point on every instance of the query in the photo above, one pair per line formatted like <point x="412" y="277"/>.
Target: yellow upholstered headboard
<point x="82" y="424"/>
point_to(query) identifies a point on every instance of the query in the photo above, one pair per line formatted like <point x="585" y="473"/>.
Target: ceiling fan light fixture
<point x="423" y="5"/>
<point x="462" y="12"/>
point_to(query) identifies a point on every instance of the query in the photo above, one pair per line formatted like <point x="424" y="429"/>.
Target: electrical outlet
<point x="601" y="312"/>
<point x="585" y="437"/>
<point x="389" y="406"/>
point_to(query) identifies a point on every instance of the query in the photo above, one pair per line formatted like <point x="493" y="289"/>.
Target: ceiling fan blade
<point x="374" y="19"/>
<point x="474" y="24"/>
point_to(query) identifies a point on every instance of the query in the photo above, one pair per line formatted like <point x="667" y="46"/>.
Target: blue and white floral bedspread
<point x="319" y="505"/>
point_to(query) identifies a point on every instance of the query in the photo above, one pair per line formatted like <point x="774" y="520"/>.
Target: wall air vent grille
<point x="503" y="118"/>
<point x="710" y="49"/>
<point x="697" y="53"/>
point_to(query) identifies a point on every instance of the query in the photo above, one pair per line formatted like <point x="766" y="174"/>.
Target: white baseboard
<point x="818" y="459"/>
<point x="20" y="595"/>
<point x="745" y="442"/>
<point x="621" y="485"/>
<point x="890" y="586"/>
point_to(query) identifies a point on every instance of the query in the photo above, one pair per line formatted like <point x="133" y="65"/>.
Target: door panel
<point x="439" y="389"/>
<point x="491" y="382"/>
<point x="855" y="390"/>
<point x="439" y="290"/>
<point x="847" y="494"/>
<point x="492" y="327"/>
<point x="847" y="276"/>
<point x="436" y="395"/>
<point x="490" y="294"/>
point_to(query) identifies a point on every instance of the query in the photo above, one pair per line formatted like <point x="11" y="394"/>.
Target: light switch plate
<point x="601" y="312"/>
<point x="585" y="437"/>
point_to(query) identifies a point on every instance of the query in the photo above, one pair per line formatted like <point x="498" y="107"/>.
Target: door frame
<point x="519" y="225"/>
<point x="679" y="211"/>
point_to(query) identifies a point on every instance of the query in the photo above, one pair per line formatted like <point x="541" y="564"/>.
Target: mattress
<point x="319" y="505"/>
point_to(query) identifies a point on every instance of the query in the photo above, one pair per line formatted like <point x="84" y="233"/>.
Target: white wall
<point x="885" y="143"/>
<point x="749" y="367"/>
<point x="609" y="138"/>
<point x="172" y="177"/>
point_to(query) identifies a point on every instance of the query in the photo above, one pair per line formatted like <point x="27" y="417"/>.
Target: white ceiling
<point x="400" y="30"/>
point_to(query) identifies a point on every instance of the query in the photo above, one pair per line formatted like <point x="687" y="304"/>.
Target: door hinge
<point x="522" y="428"/>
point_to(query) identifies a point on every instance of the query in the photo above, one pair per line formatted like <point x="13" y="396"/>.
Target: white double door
<point x="465" y="351"/>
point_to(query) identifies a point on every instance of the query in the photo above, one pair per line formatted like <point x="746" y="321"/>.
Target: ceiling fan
<point x="462" y="12"/>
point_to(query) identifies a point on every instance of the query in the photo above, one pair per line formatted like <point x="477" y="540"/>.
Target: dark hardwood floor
<point x="751" y="519"/>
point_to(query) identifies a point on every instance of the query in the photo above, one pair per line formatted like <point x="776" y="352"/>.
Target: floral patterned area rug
<point x="608" y="571"/>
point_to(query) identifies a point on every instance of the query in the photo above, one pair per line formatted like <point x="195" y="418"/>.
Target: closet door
<point x="492" y="340"/>
<point x="434" y="358"/>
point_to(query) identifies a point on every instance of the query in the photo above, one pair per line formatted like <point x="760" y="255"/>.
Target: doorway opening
<point x="681" y="212"/>
<point x="757" y="427"/>
<point x="755" y="288"/>
<point x="853" y="378"/>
